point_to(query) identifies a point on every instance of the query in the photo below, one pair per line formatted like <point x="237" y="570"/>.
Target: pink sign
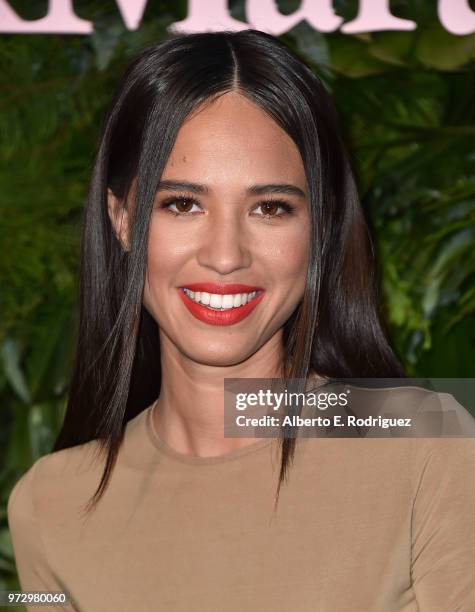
<point x="456" y="17"/>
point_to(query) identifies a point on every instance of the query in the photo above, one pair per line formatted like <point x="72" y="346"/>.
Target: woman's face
<point x="231" y="225"/>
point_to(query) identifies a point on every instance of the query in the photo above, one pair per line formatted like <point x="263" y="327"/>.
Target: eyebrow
<point x="198" y="188"/>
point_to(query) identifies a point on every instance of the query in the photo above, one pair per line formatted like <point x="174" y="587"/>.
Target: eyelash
<point x="286" y="206"/>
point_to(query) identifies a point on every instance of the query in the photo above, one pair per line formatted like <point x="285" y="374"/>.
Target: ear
<point x="119" y="217"/>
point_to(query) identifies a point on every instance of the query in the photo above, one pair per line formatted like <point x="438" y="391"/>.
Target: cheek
<point x="286" y="255"/>
<point x="164" y="258"/>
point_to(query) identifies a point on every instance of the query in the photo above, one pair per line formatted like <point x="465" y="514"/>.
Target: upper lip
<point x="221" y="288"/>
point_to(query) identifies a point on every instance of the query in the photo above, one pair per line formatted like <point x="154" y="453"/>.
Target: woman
<point x="223" y="238"/>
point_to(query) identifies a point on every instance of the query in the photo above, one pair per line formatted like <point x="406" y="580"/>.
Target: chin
<point x="222" y="356"/>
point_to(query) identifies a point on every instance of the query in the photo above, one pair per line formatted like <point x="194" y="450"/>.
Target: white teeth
<point x="218" y="301"/>
<point x="228" y="301"/>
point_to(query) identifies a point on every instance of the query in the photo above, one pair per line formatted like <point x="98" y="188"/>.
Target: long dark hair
<point x="335" y="330"/>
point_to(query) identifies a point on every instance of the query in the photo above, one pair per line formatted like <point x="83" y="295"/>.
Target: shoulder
<point x="442" y="430"/>
<point x="20" y="505"/>
<point x="70" y="474"/>
<point x="443" y="511"/>
<point x="65" y="462"/>
<point x="428" y="413"/>
<point x="443" y="464"/>
<point x="40" y="481"/>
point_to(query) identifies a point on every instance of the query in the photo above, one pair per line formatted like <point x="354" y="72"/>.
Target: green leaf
<point x="392" y="47"/>
<point x="350" y="57"/>
<point x="10" y="354"/>
<point x="439" y="49"/>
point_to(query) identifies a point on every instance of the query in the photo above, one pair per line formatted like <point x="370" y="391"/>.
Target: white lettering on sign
<point x="265" y="16"/>
<point x="60" y="19"/>
<point x="208" y="16"/>
<point x="132" y="12"/>
<point x="374" y="16"/>
<point x="456" y="17"/>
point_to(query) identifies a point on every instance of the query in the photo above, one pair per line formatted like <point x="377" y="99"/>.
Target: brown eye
<point x="183" y="205"/>
<point x="269" y="208"/>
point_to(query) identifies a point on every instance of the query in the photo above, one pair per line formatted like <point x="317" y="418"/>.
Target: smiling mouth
<point x="221" y="302"/>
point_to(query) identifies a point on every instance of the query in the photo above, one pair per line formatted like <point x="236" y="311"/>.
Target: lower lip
<point x="219" y="317"/>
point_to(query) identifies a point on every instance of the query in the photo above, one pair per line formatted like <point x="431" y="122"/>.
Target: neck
<point x="189" y="414"/>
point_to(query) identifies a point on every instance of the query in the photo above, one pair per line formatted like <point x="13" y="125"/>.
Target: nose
<point x="224" y="244"/>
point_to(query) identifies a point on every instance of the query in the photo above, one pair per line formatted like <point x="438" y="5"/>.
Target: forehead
<point x="230" y="137"/>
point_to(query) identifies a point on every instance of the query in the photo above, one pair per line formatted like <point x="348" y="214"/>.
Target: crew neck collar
<point x="173" y="454"/>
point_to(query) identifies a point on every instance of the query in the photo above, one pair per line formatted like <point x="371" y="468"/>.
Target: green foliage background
<point x="407" y="106"/>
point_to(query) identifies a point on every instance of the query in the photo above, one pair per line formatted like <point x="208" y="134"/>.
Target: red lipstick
<point x="220" y="317"/>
